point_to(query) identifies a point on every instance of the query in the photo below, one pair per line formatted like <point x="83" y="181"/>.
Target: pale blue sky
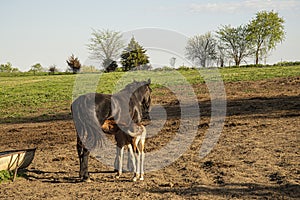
<point x="48" y="32"/>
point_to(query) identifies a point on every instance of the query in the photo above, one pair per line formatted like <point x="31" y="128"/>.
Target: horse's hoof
<point x="134" y="179"/>
<point x="142" y="178"/>
<point x="86" y="180"/>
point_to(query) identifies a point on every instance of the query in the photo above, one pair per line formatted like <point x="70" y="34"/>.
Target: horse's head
<point x="146" y="102"/>
<point x="142" y="91"/>
<point x="131" y="105"/>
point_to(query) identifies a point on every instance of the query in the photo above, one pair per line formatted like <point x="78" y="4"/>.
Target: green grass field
<point x="31" y="98"/>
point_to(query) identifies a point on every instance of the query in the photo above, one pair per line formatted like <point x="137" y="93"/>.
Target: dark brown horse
<point x="89" y="111"/>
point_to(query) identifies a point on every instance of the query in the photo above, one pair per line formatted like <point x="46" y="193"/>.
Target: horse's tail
<point x="86" y="123"/>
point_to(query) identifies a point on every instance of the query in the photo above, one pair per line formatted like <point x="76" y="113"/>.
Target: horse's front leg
<point x="83" y="155"/>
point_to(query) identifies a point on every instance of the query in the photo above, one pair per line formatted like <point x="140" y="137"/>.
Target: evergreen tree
<point x="134" y="56"/>
<point x="109" y="65"/>
<point x="74" y="64"/>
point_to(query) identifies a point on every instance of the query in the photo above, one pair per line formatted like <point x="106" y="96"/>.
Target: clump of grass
<point x="6" y="175"/>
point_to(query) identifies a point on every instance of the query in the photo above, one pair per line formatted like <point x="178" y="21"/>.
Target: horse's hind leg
<point x="83" y="155"/>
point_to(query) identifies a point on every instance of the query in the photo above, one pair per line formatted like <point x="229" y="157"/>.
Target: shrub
<point x="287" y="63"/>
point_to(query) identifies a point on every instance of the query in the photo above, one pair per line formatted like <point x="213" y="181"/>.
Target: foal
<point x="123" y="140"/>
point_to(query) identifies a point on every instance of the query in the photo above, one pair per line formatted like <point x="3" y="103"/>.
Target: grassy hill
<point x="35" y="98"/>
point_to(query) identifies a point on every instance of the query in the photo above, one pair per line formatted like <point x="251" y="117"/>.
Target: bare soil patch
<point x="257" y="155"/>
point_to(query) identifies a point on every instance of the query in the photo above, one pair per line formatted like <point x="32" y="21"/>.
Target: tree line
<point x="256" y="40"/>
<point x="253" y="40"/>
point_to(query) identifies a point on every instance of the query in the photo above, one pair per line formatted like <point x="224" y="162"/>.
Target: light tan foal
<point x="135" y="146"/>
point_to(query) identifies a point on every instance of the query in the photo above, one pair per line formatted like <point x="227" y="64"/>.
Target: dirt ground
<point x="257" y="155"/>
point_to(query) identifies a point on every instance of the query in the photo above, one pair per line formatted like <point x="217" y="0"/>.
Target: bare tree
<point x="105" y="45"/>
<point x="201" y="49"/>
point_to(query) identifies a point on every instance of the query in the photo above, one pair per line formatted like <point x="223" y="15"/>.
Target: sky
<point x="48" y="32"/>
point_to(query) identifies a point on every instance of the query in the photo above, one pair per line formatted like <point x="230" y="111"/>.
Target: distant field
<point x="44" y="97"/>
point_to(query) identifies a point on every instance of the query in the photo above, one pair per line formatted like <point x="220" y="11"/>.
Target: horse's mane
<point x="131" y="87"/>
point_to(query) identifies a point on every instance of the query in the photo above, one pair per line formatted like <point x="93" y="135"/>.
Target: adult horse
<point x="90" y="111"/>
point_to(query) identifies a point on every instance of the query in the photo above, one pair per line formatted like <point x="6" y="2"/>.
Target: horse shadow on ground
<point x="66" y="177"/>
<point x="236" y="190"/>
<point x="262" y="107"/>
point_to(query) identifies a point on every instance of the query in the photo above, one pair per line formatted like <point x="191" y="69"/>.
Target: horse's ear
<point x="149" y="81"/>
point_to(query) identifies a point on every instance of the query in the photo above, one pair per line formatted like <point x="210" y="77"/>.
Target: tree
<point x="134" y="56"/>
<point x="74" y="64"/>
<point x="221" y="55"/>
<point x="8" y="68"/>
<point x="52" y="69"/>
<point x="109" y="65"/>
<point x="201" y="49"/>
<point x="105" y="45"/>
<point x="265" y="31"/>
<point x="235" y="43"/>
<point x="36" y="68"/>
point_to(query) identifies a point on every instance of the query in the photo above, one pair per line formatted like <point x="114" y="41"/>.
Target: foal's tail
<point x="86" y="123"/>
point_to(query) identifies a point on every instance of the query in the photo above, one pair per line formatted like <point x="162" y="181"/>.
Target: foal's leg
<point x="116" y="163"/>
<point x="138" y="158"/>
<point x="120" y="152"/>
<point x="138" y="163"/>
<point x="131" y="159"/>
<point x="142" y="145"/>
